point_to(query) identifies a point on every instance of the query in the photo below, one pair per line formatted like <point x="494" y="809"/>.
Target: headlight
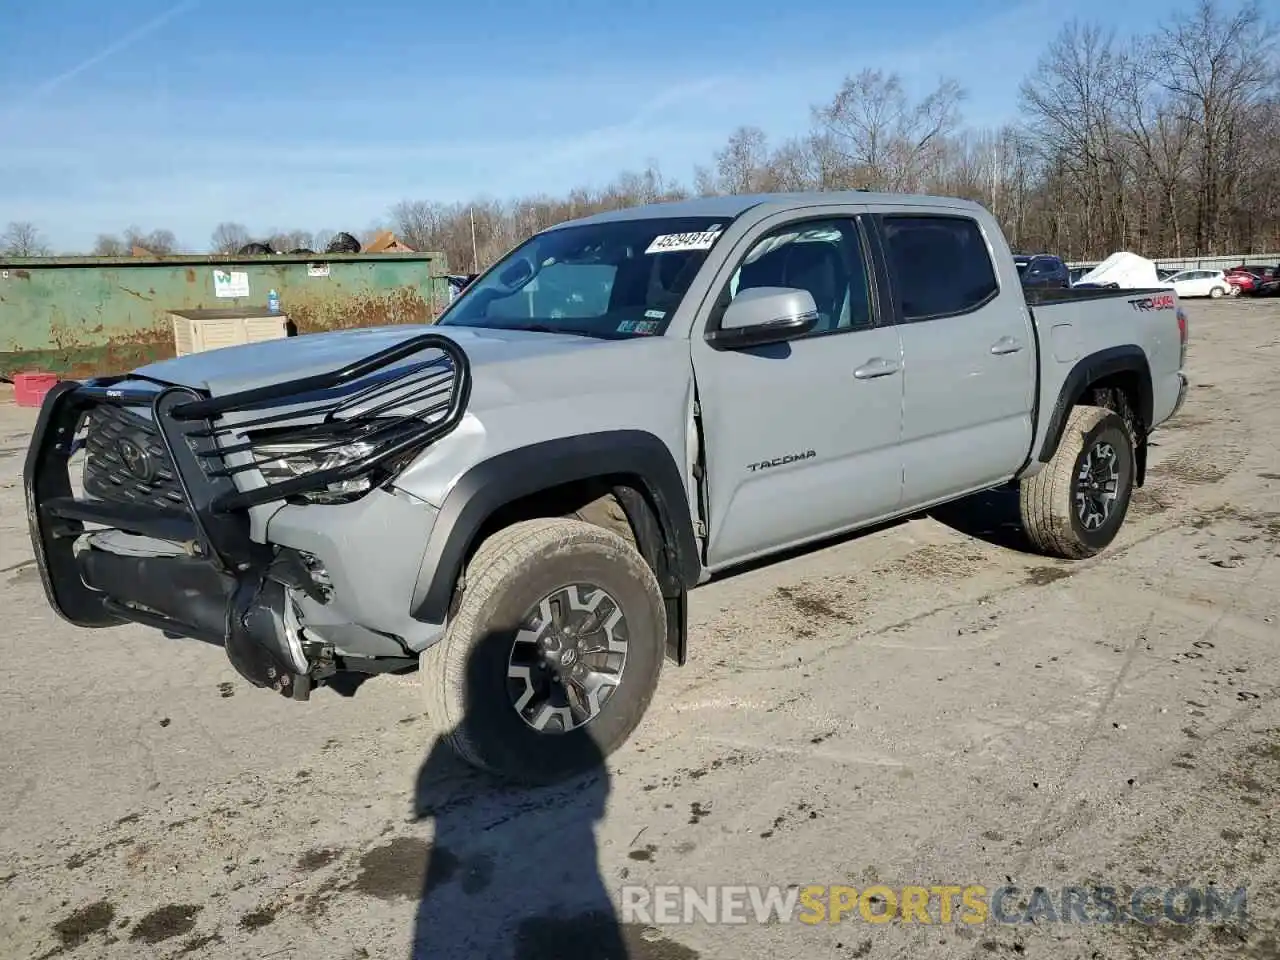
<point x="287" y="461"/>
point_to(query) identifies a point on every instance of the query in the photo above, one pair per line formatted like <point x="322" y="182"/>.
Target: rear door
<point x="800" y="438"/>
<point x="969" y="354"/>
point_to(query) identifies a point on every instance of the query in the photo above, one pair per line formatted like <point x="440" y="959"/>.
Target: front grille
<point x="126" y="461"/>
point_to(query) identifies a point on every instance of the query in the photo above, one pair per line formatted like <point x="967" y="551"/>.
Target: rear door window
<point x="939" y="265"/>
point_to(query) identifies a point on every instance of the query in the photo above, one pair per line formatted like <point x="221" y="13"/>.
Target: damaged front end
<point x="163" y="533"/>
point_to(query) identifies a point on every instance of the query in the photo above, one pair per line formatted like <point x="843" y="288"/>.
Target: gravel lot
<point x="926" y="704"/>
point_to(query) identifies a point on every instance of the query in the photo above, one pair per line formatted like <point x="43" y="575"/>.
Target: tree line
<point x="24" y="239"/>
<point x="1166" y="143"/>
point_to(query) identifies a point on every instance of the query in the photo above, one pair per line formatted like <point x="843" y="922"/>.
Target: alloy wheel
<point x="567" y="658"/>
<point x="1097" y="485"/>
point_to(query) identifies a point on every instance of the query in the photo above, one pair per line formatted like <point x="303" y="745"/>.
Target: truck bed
<point x="1037" y="296"/>
<point x="1103" y="325"/>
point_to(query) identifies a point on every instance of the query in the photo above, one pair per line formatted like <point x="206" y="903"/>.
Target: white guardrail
<point x="1199" y="263"/>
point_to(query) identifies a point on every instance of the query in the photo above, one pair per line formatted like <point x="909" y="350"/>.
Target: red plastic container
<point x="29" y="388"/>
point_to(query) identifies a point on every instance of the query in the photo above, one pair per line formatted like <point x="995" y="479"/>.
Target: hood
<point x="229" y="369"/>
<point x="506" y="365"/>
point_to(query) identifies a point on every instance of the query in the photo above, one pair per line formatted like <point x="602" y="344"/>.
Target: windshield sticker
<point x="655" y="314"/>
<point x="673" y="242"/>
<point x="647" y="326"/>
<point x="627" y="326"/>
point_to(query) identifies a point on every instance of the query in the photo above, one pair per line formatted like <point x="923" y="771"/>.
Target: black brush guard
<point x="227" y="589"/>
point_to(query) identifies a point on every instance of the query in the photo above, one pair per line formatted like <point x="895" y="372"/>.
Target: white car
<point x="1200" y="283"/>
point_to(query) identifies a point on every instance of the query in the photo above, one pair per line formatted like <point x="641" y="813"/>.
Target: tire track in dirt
<point x="1194" y="466"/>
<point x="1173" y="482"/>
<point x="938" y="563"/>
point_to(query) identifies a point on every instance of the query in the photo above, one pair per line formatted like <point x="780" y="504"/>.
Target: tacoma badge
<point x="780" y="461"/>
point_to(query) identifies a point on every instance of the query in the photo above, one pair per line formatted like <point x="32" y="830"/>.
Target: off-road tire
<point x="1047" y="501"/>
<point x="464" y="674"/>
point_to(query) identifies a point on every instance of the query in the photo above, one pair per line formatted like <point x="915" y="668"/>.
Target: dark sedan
<point x="1042" y="270"/>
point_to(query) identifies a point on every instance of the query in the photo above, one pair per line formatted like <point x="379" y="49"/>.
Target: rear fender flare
<point x="502" y="479"/>
<point x="1128" y="358"/>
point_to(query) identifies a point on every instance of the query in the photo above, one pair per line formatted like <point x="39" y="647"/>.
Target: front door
<point x="801" y="437"/>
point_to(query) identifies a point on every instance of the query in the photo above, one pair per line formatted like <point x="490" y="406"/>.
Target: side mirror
<point x="765" y="315"/>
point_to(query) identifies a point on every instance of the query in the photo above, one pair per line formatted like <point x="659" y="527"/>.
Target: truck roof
<point x="731" y="205"/>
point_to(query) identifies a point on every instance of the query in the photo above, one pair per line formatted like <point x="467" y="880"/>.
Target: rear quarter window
<point x="939" y="265"/>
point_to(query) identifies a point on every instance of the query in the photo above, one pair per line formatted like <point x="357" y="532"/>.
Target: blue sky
<point x="321" y="115"/>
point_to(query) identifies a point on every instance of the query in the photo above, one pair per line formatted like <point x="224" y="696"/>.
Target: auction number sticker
<point x="673" y="242"/>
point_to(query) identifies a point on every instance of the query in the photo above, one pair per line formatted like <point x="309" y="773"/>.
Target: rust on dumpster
<point x="86" y="316"/>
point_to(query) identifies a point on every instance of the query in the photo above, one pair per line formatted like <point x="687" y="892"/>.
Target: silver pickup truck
<point x="517" y="499"/>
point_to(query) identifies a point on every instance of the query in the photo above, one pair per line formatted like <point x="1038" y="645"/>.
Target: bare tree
<point x="135" y="237"/>
<point x="1160" y="134"/>
<point x="229" y="237"/>
<point x="743" y="165"/>
<point x="160" y="242"/>
<point x="109" y="245"/>
<point x="791" y="167"/>
<point x="23" y="239"/>
<point x="1217" y="66"/>
<point x="704" y="182"/>
<point x="418" y="222"/>
<point x="884" y="139"/>
<point x="1256" y="200"/>
<point x="1073" y="102"/>
<point x="283" y="241"/>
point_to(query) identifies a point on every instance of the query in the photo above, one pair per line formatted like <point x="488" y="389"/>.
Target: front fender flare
<point x="507" y="477"/>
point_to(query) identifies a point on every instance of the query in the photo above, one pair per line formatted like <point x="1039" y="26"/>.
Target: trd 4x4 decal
<point x="1163" y="302"/>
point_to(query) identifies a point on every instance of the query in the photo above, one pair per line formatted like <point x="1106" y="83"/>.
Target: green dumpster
<point x="85" y="316"/>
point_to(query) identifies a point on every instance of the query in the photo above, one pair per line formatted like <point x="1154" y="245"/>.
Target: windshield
<point x="1021" y="263"/>
<point x="616" y="279"/>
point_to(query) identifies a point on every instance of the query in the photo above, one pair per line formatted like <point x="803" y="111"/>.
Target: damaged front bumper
<point x="165" y="539"/>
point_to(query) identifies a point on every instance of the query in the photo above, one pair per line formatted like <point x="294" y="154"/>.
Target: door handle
<point x="1006" y="345"/>
<point x="876" y="367"/>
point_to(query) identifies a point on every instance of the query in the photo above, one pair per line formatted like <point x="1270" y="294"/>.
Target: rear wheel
<point x="554" y="653"/>
<point x="1216" y="292"/>
<point x="1074" y="507"/>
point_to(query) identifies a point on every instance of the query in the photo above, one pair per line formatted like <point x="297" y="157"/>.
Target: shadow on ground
<point x="991" y="516"/>
<point x="513" y="872"/>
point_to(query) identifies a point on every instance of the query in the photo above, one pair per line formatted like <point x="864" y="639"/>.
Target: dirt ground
<point x="927" y="704"/>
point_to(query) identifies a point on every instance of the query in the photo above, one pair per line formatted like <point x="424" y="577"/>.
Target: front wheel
<point x="1074" y="507"/>
<point x="1216" y="292"/>
<point x="553" y="655"/>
